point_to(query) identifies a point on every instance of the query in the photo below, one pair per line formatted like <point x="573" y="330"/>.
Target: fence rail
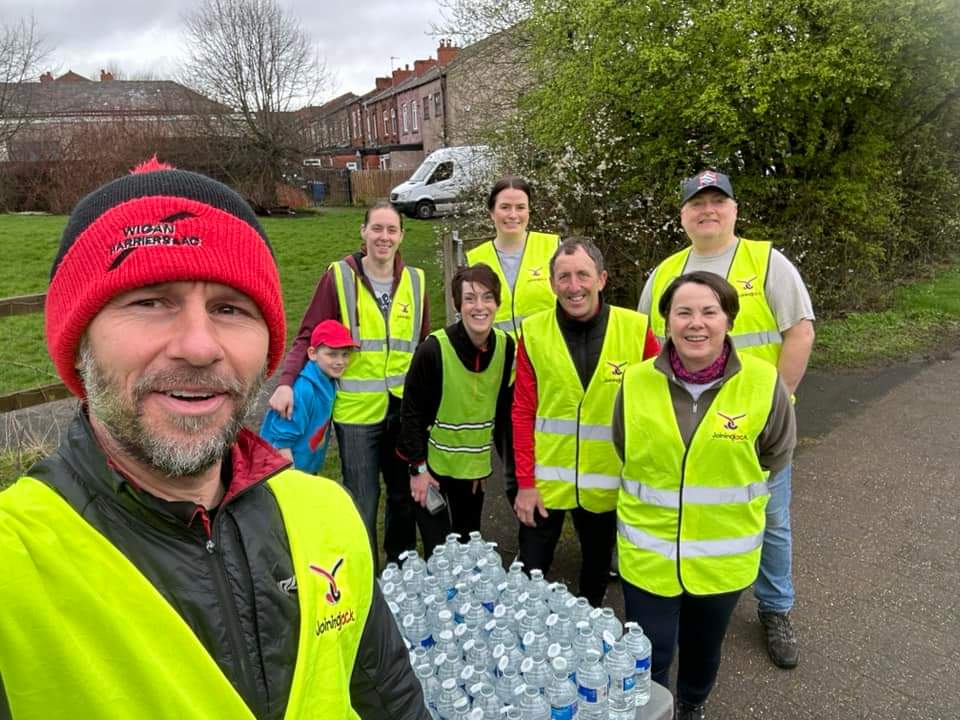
<point x="21" y="305"/>
<point x="27" y="305"/>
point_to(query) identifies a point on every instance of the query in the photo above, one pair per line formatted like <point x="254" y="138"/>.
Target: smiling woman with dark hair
<point x="519" y="257"/>
<point x="699" y="429"/>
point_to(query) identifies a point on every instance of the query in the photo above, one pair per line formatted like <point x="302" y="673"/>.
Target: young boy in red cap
<point x="304" y="437"/>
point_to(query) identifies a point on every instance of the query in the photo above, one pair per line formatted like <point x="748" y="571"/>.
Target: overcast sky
<point x="357" y="38"/>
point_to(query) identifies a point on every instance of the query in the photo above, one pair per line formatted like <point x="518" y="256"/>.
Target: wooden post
<point x="449" y="262"/>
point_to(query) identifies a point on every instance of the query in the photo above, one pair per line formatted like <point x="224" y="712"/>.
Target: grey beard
<point x="173" y="457"/>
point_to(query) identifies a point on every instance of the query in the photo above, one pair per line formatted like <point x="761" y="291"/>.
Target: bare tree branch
<point x="21" y="52"/>
<point x="256" y="59"/>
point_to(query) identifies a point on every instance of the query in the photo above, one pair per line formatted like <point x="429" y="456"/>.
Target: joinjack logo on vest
<point x="730" y="425"/>
<point x="615" y="371"/>
<point x="747" y="287"/>
<point x="404" y="309"/>
<point x="160" y="234"/>
<point x="333" y="594"/>
<point x="536" y="273"/>
<point x="339" y="620"/>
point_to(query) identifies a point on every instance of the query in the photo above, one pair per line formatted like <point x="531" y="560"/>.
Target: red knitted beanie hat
<point x="156" y="225"/>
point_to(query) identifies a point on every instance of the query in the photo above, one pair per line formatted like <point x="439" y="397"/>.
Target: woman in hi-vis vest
<point x="699" y="429"/>
<point x="520" y="258"/>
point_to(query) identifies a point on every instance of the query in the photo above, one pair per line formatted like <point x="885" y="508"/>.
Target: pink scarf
<point x="712" y="372"/>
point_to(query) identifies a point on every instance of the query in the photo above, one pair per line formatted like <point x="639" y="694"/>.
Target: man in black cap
<point x="775" y="323"/>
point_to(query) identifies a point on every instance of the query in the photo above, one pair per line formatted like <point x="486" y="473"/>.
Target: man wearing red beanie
<point x="165" y="562"/>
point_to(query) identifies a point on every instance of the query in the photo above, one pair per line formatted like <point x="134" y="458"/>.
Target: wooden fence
<point x="369" y="186"/>
<point x="26" y="305"/>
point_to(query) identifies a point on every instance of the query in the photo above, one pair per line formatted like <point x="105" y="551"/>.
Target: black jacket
<point x="227" y="573"/>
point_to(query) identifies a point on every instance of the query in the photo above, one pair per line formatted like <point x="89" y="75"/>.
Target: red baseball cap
<point x="332" y="334"/>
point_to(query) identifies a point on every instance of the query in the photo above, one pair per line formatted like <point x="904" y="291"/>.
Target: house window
<point x="416" y="122"/>
<point x="436" y="105"/>
<point x="404" y="114"/>
<point x="426" y="107"/>
<point x="393" y="120"/>
<point x="370" y="126"/>
<point x="386" y="127"/>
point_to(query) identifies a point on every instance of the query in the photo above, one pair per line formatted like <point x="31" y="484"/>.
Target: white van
<point x="441" y="179"/>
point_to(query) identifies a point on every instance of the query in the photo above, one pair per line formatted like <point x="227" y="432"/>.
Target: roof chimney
<point x="421" y="66"/>
<point x="47" y="77"/>
<point x="105" y="76"/>
<point x="446" y="52"/>
<point x="383" y="83"/>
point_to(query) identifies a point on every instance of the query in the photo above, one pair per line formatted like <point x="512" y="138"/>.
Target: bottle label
<point x="628" y="683"/>
<point x="488" y="606"/>
<point x="643" y="664"/>
<point x="593" y="696"/>
<point x="427" y="641"/>
<point x="567" y="712"/>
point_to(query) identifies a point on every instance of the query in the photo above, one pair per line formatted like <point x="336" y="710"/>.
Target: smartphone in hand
<point x="435" y="501"/>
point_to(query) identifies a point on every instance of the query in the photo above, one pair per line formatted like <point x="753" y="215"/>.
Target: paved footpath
<point x="876" y="517"/>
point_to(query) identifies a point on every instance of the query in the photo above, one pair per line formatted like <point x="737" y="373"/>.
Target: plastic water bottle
<point x="561" y="692"/>
<point x="461" y="709"/>
<point x="533" y="706"/>
<point x="535" y="643"/>
<point x="620" y="666"/>
<point x="447" y="698"/>
<point x="536" y="672"/>
<point x="416" y="630"/>
<point x="485" y="698"/>
<point x="592" y="686"/>
<point x="538" y="588"/>
<point x="639" y="646"/>
<point x="430" y="685"/>
<point x="604" y="621"/>
<point x="508" y="683"/>
<point x="585" y="642"/>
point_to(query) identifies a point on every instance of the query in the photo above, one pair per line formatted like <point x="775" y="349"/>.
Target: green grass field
<point x="923" y="318"/>
<point x="304" y="246"/>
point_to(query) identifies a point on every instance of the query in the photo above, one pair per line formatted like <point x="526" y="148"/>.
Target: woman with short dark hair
<point x="699" y="429"/>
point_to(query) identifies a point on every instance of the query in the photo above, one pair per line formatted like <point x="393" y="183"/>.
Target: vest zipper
<point x="231" y="616"/>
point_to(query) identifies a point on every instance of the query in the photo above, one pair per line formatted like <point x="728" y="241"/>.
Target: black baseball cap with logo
<point x="705" y="180"/>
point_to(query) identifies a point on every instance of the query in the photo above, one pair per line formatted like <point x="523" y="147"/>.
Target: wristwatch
<point x="417" y="469"/>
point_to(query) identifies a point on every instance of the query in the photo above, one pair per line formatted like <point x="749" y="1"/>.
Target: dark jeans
<point x="596" y="532"/>
<point x="366" y="451"/>
<point x="462" y="514"/>
<point x="697" y="623"/>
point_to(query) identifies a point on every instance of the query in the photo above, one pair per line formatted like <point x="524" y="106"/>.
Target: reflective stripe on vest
<point x="378" y="369"/>
<point x="84" y="634"/>
<point x="692" y="518"/>
<point x="575" y="461"/>
<point x="755" y="330"/>
<point x="461" y="437"/>
<point x="532" y="292"/>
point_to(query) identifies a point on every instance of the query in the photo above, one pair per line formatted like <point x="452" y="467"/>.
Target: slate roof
<point x="81" y="97"/>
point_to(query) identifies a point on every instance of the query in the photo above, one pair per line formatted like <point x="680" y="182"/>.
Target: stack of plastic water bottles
<point x="491" y="644"/>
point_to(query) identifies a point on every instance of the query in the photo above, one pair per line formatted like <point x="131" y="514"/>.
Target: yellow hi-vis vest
<point x="755" y="331"/>
<point x="461" y="437"/>
<point x="83" y="634"/>
<point x="532" y="292"/>
<point x="379" y="368"/>
<point x="576" y="463"/>
<point x="692" y="518"/>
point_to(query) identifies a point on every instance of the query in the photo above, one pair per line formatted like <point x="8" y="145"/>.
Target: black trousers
<point x="462" y="515"/>
<point x="697" y="623"/>
<point x="596" y="532"/>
